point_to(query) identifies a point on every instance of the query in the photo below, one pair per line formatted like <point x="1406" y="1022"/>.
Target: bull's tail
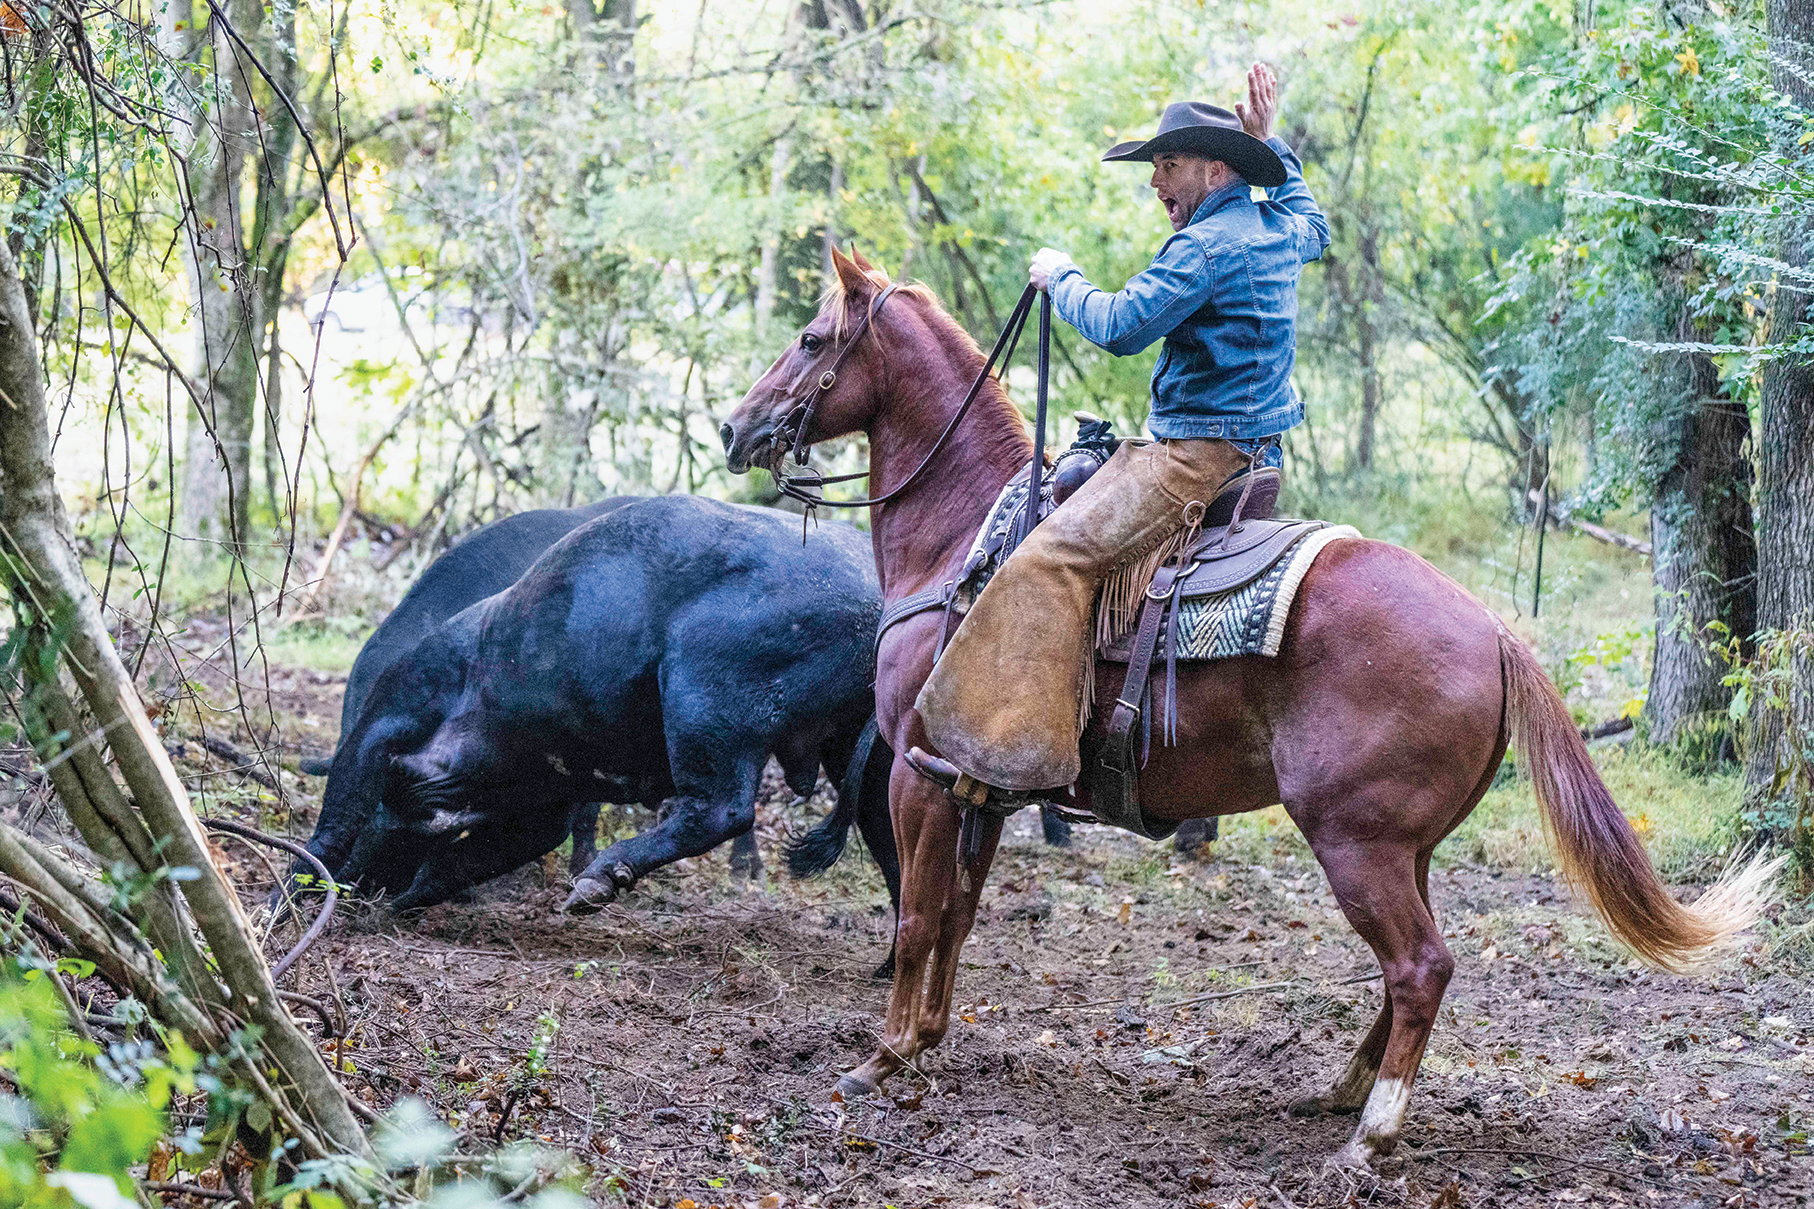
<point x="1599" y="851"/>
<point x="815" y="851"/>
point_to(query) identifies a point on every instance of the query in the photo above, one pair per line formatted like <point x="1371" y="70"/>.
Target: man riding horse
<point x="1222" y="292"/>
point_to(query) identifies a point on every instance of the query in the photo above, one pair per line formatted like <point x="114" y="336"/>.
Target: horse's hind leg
<point x="1378" y="886"/>
<point x="1350" y="1091"/>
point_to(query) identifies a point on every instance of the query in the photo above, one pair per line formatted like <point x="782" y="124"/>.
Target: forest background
<point x="314" y="289"/>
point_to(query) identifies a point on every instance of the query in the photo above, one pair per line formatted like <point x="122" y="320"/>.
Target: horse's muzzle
<point x="746" y="450"/>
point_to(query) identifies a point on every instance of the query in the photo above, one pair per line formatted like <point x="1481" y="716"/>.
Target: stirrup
<point x="964" y="788"/>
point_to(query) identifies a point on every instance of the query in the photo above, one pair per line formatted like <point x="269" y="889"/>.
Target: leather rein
<point x="807" y="486"/>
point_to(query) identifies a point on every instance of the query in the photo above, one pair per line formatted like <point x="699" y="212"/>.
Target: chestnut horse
<point x="1379" y="725"/>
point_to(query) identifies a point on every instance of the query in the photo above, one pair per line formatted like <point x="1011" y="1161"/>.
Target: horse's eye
<point x="810" y="343"/>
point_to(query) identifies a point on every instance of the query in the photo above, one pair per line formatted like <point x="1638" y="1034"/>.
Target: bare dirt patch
<point x="1132" y="1029"/>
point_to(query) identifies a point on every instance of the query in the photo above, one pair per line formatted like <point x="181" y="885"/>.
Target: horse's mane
<point x="837" y="306"/>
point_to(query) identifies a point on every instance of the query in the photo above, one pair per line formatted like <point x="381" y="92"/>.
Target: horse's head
<point x="767" y="422"/>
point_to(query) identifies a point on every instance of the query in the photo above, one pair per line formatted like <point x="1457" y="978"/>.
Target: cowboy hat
<point x="1195" y="128"/>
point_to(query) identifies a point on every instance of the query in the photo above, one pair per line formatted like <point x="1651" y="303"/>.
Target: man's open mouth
<point x="1171" y="208"/>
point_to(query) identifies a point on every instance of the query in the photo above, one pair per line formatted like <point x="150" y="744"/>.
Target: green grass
<point x="316" y="647"/>
<point x="1688" y="822"/>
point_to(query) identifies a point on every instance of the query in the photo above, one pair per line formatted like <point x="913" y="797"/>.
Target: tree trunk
<point x="1785" y="472"/>
<point x="35" y="99"/>
<point x="151" y="819"/>
<point x="1366" y="331"/>
<point x="271" y="238"/>
<point x="215" y="505"/>
<point x="621" y="43"/>
<point x="771" y="240"/>
<point x="1704" y="554"/>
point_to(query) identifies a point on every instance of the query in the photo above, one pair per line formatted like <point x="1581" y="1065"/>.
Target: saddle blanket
<point x="1248" y="620"/>
<point x="1245" y="620"/>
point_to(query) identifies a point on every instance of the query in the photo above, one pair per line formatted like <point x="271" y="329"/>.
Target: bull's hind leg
<point x="746" y="858"/>
<point x="1378" y="886"/>
<point x="584" y="826"/>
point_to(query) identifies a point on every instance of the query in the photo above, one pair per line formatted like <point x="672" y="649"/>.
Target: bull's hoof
<point x="885" y="971"/>
<point x="589" y="897"/>
<point x="854" y="1086"/>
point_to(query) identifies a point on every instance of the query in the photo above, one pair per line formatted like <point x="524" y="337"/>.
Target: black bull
<point x="669" y="645"/>
<point x="481" y="564"/>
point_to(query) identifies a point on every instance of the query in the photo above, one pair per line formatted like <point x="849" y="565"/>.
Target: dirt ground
<point x="1132" y="1029"/>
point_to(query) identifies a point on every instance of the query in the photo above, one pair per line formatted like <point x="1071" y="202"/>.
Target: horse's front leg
<point x="935" y="915"/>
<point x="960" y="917"/>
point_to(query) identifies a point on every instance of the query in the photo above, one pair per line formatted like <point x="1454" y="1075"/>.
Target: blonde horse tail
<point x="1599" y="851"/>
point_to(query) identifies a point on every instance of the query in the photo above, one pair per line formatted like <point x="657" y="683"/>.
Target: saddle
<point x="1238" y="545"/>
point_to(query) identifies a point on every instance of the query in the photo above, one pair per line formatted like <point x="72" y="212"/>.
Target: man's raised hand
<point x="1262" y="106"/>
<point x="1046" y="263"/>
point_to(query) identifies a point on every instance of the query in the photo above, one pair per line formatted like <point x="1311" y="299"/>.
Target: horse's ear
<point x="850" y="276"/>
<point x="856" y="254"/>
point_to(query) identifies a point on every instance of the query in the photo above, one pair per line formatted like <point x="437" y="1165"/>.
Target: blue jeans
<point x="1272" y="450"/>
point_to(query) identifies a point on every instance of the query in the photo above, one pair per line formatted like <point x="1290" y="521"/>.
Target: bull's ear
<point x="850" y="276"/>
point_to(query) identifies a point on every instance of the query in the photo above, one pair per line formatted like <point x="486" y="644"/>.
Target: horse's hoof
<point x="854" y="1086"/>
<point x="589" y="896"/>
<point x="1354" y="1156"/>
<point x="1316" y="1106"/>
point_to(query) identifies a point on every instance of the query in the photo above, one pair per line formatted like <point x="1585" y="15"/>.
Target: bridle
<point x="792" y="431"/>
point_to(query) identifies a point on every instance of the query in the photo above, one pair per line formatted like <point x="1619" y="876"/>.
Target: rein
<point x="807" y="487"/>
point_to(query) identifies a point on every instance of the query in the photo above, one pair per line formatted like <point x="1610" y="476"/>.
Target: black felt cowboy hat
<point x="1194" y="128"/>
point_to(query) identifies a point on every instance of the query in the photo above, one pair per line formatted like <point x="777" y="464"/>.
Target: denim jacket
<point x="1223" y="294"/>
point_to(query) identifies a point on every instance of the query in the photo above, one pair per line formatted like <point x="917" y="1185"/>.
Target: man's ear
<point x="850" y="276"/>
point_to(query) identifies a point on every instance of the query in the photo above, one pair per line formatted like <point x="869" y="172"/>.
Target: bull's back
<point x="482" y="564"/>
<point x="691" y="595"/>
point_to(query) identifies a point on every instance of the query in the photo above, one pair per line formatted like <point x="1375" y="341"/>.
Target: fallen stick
<point x="321" y="871"/>
<point x="1567" y="1163"/>
<point x="922" y="1154"/>
<point x="1562" y="520"/>
<point x="1059" y="1007"/>
<point x="170" y="1189"/>
<point x="1211" y="998"/>
<point x="244" y="762"/>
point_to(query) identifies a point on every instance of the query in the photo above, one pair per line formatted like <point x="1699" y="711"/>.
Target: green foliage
<point x="79" y="1119"/>
<point x="1656" y="125"/>
<point x="1767" y="674"/>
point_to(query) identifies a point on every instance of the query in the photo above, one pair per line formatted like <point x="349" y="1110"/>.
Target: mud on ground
<point x="1133" y="1027"/>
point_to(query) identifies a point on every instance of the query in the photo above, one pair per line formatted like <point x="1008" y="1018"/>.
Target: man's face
<point x="1183" y="181"/>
